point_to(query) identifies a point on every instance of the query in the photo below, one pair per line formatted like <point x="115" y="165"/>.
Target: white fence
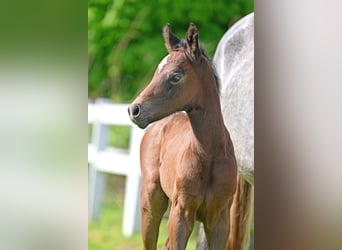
<point x="104" y="160"/>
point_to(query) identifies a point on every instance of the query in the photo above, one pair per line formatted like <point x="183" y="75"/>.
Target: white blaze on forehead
<point x="162" y="63"/>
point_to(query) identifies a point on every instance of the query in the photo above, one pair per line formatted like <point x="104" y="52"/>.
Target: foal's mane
<point x="217" y="79"/>
<point x="183" y="46"/>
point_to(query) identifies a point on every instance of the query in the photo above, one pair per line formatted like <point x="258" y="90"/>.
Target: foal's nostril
<point x="136" y="111"/>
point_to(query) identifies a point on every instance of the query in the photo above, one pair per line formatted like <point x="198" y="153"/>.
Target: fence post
<point x="132" y="195"/>
<point x="97" y="179"/>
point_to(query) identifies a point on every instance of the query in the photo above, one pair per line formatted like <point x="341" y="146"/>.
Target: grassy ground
<point x="106" y="233"/>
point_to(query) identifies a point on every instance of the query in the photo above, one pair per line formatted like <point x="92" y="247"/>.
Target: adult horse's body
<point x="186" y="155"/>
<point x="234" y="62"/>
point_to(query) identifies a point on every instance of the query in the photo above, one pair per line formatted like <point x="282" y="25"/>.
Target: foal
<point x="187" y="157"/>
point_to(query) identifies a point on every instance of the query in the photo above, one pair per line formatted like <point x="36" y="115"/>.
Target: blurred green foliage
<point x="125" y="41"/>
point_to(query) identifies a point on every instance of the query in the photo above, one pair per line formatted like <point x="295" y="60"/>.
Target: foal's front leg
<point x="154" y="203"/>
<point x="217" y="234"/>
<point x="181" y="221"/>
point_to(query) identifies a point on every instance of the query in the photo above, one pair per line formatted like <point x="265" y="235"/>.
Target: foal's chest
<point x="188" y="173"/>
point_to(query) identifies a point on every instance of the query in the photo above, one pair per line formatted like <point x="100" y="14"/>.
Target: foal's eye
<point x="175" y="78"/>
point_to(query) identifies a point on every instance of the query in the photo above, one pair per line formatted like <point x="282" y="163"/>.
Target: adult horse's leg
<point x="154" y="203"/>
<point x="202" y="243"/>
<point x="239" y="237"/>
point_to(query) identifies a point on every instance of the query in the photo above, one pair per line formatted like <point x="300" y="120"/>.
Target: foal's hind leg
<point x="153" y="206"/>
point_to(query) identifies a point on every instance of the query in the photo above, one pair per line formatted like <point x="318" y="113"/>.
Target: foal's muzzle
<point x="134" y="111"/>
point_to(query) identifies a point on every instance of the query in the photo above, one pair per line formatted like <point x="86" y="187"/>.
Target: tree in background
<point x="125" y="41"/>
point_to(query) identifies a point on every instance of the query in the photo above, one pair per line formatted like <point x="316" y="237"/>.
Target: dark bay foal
<point x="186" y="155"/>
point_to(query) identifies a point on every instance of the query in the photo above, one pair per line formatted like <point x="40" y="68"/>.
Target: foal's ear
<point x="171" y="41"/>
<point x="193" y="49"/>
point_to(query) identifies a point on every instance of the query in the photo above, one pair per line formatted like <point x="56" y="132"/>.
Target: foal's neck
<point x="206" y="119"/>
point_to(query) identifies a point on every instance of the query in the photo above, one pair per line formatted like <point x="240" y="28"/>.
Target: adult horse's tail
<point x="241" y="216"/>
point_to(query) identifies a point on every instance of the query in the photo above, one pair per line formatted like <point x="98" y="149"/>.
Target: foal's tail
<point x="241" y="216"/>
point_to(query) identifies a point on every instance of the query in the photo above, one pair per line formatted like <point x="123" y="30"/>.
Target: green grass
<point x="106" y="234"/>
<point x="119" y="136"/>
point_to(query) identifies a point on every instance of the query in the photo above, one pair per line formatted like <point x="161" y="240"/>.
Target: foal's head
<point x="178" y="82"/>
